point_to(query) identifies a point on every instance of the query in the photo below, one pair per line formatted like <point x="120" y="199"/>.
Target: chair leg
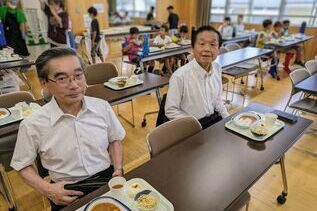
<point x="281" y="199"/>
<point x="247" y="206"/>
<point x="125" y="119"/>
<point x="6" y="189"/>
<point x="132" y="108"/>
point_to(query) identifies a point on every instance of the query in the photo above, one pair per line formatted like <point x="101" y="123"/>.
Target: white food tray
<point x="164" y="204"/>
<point x="248" y="134"/>
<point x="129" y="84"/>
<point x="10" y="119"/>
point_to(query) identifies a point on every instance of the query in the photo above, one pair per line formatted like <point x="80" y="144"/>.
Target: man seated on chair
<point x="195" y="89"/>
<point x="76" y="137"/>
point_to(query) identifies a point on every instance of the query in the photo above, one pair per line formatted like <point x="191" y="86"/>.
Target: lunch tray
<point x="164" y="204"/>
<point x="9" y="119"/>
<point x="129" y="84"/>
<point x="248" y="134"/>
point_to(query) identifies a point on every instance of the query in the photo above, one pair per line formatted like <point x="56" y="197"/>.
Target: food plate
<point x="112" y="84"/>
<point x="4" y="113"/>
<point x="19" y="112"/>
<point x="171" y="45"/>
<point x="106" y="203"/>
<point x="116" y="79"/>
<point x="132" y="188"/>
<point x="155" y="49"/>
<point x="185" y="42"/>
<point x="246" y="119"/>
<point x="246" y="132"/>
<point x="147" y="200"/>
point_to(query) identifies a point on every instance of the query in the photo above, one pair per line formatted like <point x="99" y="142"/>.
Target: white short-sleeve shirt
<point x="159" y="41"/>
<point x="72" y="148"/>
<point x="195" y="92"/>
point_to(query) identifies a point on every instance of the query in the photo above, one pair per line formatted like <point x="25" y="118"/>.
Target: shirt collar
<point x="202" y="73"/>
<point x="56" y="112"/>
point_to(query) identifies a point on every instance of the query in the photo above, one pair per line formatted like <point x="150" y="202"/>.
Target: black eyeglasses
<point x="65" y="80"/>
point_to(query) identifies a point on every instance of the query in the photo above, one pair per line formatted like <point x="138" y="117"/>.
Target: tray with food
<point x="255" y="126"/>
<point x="17" y="113"/>
<point x="135" y="194"/>
<point x="123" y="82"/>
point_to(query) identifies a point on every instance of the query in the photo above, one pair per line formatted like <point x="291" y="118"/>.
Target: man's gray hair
<point x="53" y="53"/>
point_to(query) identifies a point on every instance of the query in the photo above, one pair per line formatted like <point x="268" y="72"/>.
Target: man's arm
<point x="174" y="98"/>
<point x="116" y="154"/>
<point x="53" y="191"/>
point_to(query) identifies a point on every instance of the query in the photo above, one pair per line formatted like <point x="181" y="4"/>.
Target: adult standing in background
<point x="57" y="22"/>
<point x="14" y="26"/>
<point x="172" y="21"/>
<point x="150" y="15"/>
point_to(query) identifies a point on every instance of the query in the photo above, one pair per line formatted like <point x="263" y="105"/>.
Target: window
<point x="299" y="11"/>
<point x="217" y="10"/>
<point x="255" y="11"/>
<point x="135" y="8"/>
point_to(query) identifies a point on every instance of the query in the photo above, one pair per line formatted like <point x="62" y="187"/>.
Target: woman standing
<point x="14" y="21"/>
<point x="57" y="22"/>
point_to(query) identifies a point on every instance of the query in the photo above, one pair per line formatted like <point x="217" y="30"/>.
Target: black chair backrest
<point x="302" y="27"/>
<point x="161" y="118"/>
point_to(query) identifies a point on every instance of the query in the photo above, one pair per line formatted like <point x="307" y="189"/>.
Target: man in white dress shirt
<point x="76" y="137"/>
<point x="195" y="89"/>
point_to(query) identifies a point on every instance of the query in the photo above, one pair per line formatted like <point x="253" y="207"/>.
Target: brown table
<point x="24" y="63"/>
<point x="211" y="169"/>
<point x="165" y="54"/>
<point x="151" y="82"/>
<point x="309" y="85"/>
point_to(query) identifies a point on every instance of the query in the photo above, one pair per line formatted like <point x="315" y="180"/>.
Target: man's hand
<point x="117" y="172"/>
<point x="60" y="196"/>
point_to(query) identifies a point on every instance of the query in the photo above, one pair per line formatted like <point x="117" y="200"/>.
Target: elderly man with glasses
<point x="77" y="138"/>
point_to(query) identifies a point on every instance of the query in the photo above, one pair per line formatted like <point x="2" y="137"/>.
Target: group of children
<point x="227" y="29"/>
<point x="275" y="31"/>
<point x="133" y="44"/>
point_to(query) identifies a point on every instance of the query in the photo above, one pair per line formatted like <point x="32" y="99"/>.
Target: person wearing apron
<point x="14" y="21"/>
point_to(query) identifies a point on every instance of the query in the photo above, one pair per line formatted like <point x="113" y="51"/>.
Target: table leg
<point x="281" y="199"/>
<point x="141" y="66"/>
<point x="261" y="74"/>
<point x="159" y="100"/>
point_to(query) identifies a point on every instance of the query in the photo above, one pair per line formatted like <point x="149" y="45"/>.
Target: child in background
<point x="161" y="40"/>
<point x="182" y="36"/>
<point x="131" y="46"/>
<point x="240" y="25"/>
<point x="263" y="37"/>
<point x="226" y="29"/>
<point x="265" y="34"/>
<point x="95" y="35"/>
<point x="298" y="48"/>
<point x="286" y="24"/>
<point x="276" y="34"/>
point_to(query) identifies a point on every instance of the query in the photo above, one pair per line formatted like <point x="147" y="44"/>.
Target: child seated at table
<point x="181" y="38"/>
<point x="240" y="25"/>
<point x="131" y="46"/>
<point x="162" y="40"/>
<point x="226" y="29"/>
<point x="263" y="37"/>
<point x="298" y="48"/>
<point x="277" y="33"/>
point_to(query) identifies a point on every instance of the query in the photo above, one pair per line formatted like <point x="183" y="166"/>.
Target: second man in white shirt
<point x="196" y="88"/>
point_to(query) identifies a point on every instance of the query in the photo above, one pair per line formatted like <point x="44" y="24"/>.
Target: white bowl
<point x="246" y="119"/>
